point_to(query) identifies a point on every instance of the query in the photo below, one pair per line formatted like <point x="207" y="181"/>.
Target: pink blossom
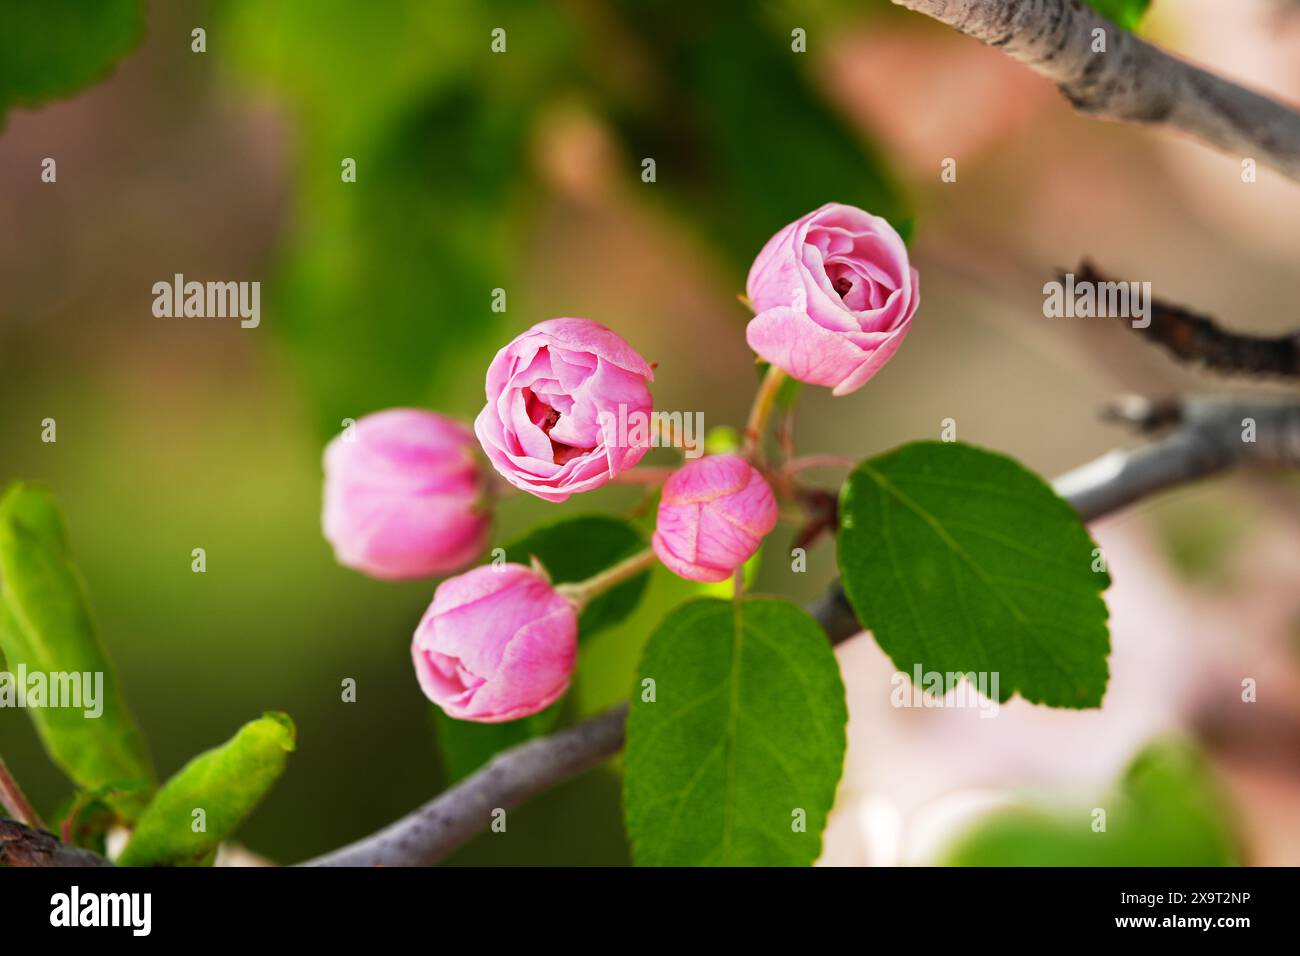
<point x="555" y="397"/>
<point x="834" y="296"/>
<point x="497" y="643"/>
<point x="403" y="495"/>
<point x="713" y="514"/>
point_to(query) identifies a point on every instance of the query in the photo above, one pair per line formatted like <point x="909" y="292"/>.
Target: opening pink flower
<point x="497" y="643"/>
<point x="834" y="295"/>
<point x="562" y="402"/>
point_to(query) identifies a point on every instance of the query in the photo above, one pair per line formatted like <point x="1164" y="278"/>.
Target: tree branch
<point x="1199" y="339"/>
<point x="1132" y="81"/>
<point x="1206" y="438"/>
<point x="22" y="846"/>
<point x="1210" y="436"/>
<point x="429" y="834"/>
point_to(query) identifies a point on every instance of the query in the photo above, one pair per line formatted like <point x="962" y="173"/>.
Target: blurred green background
<point x="519" y="170"/>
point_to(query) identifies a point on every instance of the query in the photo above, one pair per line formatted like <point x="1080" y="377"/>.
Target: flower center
<point x="539" y="413"/>
<point x="843" y="285"/>
<point x="546" y="417"/>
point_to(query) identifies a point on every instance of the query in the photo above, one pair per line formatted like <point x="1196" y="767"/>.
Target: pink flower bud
<point x="834" y="296"/>
<point x="497" y="643"/>
<point x="403" y="495"/>
<point x="713" y="514"/>
<point x="564" y="400"/>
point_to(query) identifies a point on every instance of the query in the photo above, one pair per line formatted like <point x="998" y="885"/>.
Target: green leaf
<point x="744" y="738"/>
<point x="226" y="783"/>
<point x="1166" y="811"/>
<point x="467" y="745"/>
<point x="577" y="548"/>
<point x="959" y="560"/>
<point x="55" y="47"/>
<point x="45" y="628"/>
<point x="1126" y="13"/>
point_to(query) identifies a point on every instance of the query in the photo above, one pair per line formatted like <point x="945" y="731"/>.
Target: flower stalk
<point x="761" y="410"/>
<point x="14" y="802"/>
<point x="582" y="593"/>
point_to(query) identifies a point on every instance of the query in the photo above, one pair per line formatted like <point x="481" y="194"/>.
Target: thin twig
<point x="1131" y="81"/>
<point x="650" y="475"/>
<point x="1198" y="339"/>
<point x="795" y="465"/>
<point x="1213" y="434"/>
<point x="14" y="802"/>
<point x="430" y="833"/>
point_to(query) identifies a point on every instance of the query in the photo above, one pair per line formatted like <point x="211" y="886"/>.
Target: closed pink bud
<point x="713" y="514"/>
<point x="567" y="408"/>
<point x="834" y="295"/>
<point x="403" y="495"/>
<point x="497" y="643"/>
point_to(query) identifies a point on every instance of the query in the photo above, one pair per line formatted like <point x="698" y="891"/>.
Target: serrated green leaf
<point x="55" y="47"/>
<point x="744" y="741"/>
<point x="226" y="783"/>
<point x="46" y="628"/>
<point x="1126" y="13"/>
<point x="960" y="560"/>
<point x="578" y="548"/>
<point x="1166" y="811"/>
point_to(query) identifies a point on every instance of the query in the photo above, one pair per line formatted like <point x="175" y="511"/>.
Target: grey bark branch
<point x="1132" y="82"/>
<point x="1201" y="341"/>
<point x="1207" y="437"/>
<point x="20" y="845"/>
<point x="430" y="833"/>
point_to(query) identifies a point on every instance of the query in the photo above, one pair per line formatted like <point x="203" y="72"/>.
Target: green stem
<point x="582" y="593"/>
<point x="761" y="410"/>
<point x="14" y="802"/>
